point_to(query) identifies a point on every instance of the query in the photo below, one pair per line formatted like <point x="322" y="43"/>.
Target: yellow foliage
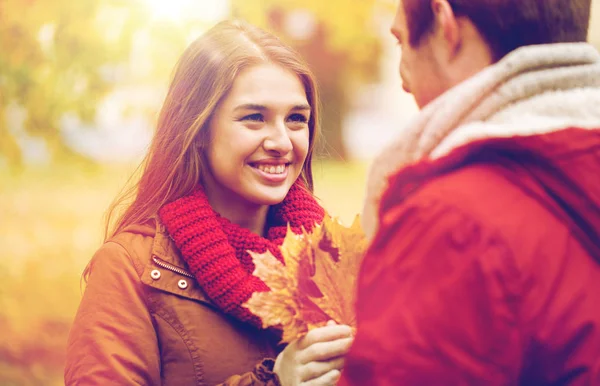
<point x="349" y="26"/>
<point x="317" y="283"/>
<point x="56" y="55"/>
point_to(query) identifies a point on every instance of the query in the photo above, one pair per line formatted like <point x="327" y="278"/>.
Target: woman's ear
<point x="447" y="28"/>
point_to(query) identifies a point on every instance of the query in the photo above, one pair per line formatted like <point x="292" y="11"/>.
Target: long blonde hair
<point x="203" y="76"/>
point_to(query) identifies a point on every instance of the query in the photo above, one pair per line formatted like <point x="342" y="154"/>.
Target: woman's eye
<point x="254" y="118"/>
<point x="298" y="118"/>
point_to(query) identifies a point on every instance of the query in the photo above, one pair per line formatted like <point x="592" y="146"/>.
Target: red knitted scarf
<point x="215" y="249"/>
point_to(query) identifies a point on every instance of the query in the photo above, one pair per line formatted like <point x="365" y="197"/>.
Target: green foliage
<point x="56" y="58"/>
<point x="61" y="57"/>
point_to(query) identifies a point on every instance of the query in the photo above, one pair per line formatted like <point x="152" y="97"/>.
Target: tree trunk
<point x="333" y="111"/>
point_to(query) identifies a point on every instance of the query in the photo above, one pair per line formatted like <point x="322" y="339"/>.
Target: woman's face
<point x="259" y="138"/>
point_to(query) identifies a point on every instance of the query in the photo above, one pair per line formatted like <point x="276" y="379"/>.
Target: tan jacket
<point x="144" y="320"/>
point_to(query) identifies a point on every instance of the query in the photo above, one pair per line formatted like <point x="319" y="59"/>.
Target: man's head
<point x="445" y="42"/>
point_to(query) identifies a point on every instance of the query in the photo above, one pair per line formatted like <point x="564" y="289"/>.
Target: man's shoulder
<point x="470" y="186"/>
<point x="480" y="192"/>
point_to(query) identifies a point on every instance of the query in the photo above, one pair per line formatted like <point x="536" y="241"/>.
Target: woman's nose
<point x="278" y="139"/>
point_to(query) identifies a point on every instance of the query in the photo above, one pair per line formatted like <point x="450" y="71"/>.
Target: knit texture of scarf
<point x="216" y="250"/>
<point x="533" y="90"/>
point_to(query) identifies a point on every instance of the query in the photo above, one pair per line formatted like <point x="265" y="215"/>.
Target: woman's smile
<point x="275" y="171"/>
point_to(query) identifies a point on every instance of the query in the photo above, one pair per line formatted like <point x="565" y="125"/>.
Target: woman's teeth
<point x="271" y="169"/>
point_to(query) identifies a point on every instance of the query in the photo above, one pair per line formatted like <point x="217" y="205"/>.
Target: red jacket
<point x="486" y="269"/>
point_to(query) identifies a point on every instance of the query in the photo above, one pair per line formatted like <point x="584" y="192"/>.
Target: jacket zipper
<point x="170" y="267"/>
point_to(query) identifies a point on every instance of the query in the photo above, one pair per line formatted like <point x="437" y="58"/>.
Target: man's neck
<point x="475" y="55"/>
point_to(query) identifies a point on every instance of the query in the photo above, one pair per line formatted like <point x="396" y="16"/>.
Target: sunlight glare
<point x="179" y="10"/>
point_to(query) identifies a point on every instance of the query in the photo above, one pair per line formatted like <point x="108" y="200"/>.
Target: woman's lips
<point x="271" y="172"/>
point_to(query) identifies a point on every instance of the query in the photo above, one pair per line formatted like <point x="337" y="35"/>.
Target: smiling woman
<point x="228" y="171"/>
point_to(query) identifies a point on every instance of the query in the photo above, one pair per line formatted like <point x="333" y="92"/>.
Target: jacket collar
<point x="165" y="258"/>
<point x="164" y="247"/>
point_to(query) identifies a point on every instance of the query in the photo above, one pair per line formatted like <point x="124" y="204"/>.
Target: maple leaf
<point x="287" y="305"/>
<point x="317" y="282"/>
<point x="338" y="253"/>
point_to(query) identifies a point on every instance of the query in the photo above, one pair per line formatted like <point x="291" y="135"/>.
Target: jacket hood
<point x="561" y="170"/>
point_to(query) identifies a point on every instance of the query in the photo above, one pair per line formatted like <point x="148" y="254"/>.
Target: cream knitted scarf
<point x="533" y="90"/>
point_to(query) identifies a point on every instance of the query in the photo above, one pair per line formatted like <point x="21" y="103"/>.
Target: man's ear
<point x="447" y="26"/>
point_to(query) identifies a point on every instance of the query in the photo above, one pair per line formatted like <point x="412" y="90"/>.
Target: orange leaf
<point x="338" y="254"/>
<point x="317" y="282"/>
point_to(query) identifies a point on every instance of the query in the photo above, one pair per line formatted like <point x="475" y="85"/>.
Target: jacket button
<point x="182" y="284"/>
<point x="155" y="274"/>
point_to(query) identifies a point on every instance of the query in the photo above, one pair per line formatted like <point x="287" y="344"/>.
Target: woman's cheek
<point x="301" y="143"/>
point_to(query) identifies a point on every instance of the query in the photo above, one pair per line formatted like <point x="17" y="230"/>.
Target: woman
<point x="228" y="169"/>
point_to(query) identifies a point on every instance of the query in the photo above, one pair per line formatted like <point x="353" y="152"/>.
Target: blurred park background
<point x="80" y="87"/>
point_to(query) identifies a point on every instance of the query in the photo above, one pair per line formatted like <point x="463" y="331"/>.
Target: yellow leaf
<point x="317" y="282"/>
<point x="338" y="253"/>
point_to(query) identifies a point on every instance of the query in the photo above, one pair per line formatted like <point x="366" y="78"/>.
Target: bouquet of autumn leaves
<point x="317" y="282"/>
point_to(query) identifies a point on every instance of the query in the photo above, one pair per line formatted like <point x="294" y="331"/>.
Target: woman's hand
<point x="316" y="359"/>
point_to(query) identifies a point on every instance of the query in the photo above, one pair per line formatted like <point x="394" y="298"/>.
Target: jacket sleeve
<point x="112" y="340"/>
<point x="262" y="375"/>
<point x="437" y="303"/>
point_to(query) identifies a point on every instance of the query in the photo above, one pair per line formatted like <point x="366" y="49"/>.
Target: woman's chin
<point x="269" y="195"/>
<point x="271" y="200"/>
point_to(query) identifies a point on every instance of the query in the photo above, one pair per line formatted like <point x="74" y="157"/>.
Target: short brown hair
<point x="509" y="24"/>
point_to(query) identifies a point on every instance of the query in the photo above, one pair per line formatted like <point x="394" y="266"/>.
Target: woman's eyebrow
<point x="303" y="107"/>
<point x="250" y="106"/>
<point x="254" y="106"/>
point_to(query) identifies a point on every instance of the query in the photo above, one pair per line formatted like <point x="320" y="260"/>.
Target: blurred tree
<point x="54" y="59"/>
<point x="61" y="58"/>
<point x="58" y="57"/>
<point x="338" y="40"/>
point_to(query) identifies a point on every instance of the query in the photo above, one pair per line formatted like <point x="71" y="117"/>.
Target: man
<point x="484" y="268"/>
